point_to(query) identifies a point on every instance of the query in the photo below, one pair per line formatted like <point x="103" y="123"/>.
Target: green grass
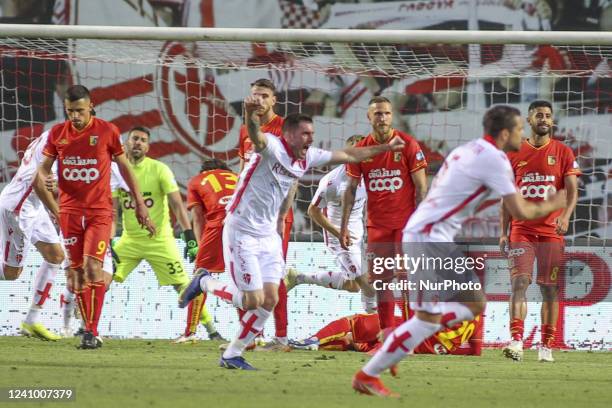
<point x="141" y="373"/>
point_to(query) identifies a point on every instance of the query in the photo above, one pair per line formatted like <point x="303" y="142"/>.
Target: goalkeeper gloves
<point x="191" y="245"/>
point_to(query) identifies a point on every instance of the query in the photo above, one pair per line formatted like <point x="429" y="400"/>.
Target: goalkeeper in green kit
<point x="160" y="192"/>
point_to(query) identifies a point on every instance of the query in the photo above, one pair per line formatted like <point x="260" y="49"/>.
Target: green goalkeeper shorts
<point x="161" y="253"/>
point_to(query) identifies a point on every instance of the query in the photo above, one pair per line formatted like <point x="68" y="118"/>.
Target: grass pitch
<point x="142" y="373"/>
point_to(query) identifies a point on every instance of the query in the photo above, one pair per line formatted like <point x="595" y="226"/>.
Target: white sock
<point x="43" y="282"/>
<point x="32" y="315"/>
<point x="251" y="324"/>
<point x="283" y="340"/>
<point x="400" y="342"/>
<point x="67" y="302"/>
<point x="333" y="280"/>
<point x="369" y="303"/>
<point x="227" y="292"/>
<point x="2" y="271"/>
<point x="455" y="312"/>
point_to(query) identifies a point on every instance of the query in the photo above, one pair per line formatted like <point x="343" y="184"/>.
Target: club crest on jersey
<point x="63" y="141"/>
<point x="93" y="140"/>
<point x="552" y="160"/>
<point x="397" y="156"/>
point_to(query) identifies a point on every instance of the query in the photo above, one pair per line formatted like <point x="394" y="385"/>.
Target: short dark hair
<point x="212" y="164"/>
<point x="540" y="103"/>
<point x="498" y="118"/>
<point x="265" y="83"/>
<point x="379" y="99"/>
<point x="140" y="129"/>
<point x="76" y="92"/>
<point x="293" y="120"/>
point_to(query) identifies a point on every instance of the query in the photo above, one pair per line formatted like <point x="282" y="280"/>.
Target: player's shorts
<point x="253" y="261"/>
<point x="446" y="275"/>
<point x="85" y="235"/>
<point x="160" y="252"/>
<point x="526" y="248"/>
<point x="210" y="252"/>
<point x="18" y="232"/>
<point x="348" y="261"/>
<point x="383" y="243"/>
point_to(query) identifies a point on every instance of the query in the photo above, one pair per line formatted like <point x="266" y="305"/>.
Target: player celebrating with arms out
<point x="84" y="145"/>
<point x="251" y="243"/>
<point x="326" y="210"/>
<point x="541" y="167"/>
<point x="470" y="174"/>
<point x="395" y="183"/>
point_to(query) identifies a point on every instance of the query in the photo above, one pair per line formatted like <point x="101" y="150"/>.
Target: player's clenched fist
<point x="397" y="144"/>
<point x="252" y="104"/>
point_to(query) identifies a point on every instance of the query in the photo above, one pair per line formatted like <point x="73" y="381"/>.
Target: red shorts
<point x="210" y="254"/>
<point x="526" y="248"/>
<point x="287" y="236"/>
<point x="385" y="243"/>
<point x="85" y="235"/>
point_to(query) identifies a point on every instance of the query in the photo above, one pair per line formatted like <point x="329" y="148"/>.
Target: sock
<point x="369" y="303"/>
<point x="43" y="282"/>
<point x="193" y="314"/>
<point x="280" y="312"/>
<point x="548" y="335"/>
<point x="84" y="297"/>
<point x="400" y="342"/>
<point x="333" y="331"/>
<point x="227" y="292"/>
<point x="251" y="324"/>
<point x="32" y="315"/>
<point x="98" y="290"/>
<point x="333" y="280"/>
<point x="386" y="308"/>
<point x="2" y="271"/>
<point x="454" y="313"/>
<point x="207" y="320"/>
<point x="67" y="303"/>
<point x="517" y="328"/>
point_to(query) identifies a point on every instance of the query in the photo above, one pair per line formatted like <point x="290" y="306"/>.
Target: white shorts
<point x="253" y="261"/>
<point x="348" y="261"/>
<point x="18" y="232"/>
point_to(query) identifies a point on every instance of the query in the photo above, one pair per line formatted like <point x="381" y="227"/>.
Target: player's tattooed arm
<point x="571" y="186"/>
<point x="38" y="185"/>
<point x="284" y="209"/>
<point x="504" y="223"/>
<point x="142" y="214"/>
<point x="253" y="123"/>
<point x="348" y="201"/>
<point x="359" y="154"/>
<point x="419" y="178"/>
<point x="521" y="209"/>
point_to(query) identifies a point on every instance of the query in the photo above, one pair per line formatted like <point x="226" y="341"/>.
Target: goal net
<point x="187" y="86"/>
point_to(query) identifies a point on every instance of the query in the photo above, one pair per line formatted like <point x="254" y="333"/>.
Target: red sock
<point x="280" y="311"/>
<point x="334" y="330"/>
<point x="84" y="296"/>
<point x="98" y="291"/>
<point x="517" y="327"/>
<point x="548" y="335"/>
<point x="193" y="313"/>
<point x="386" y="309"/>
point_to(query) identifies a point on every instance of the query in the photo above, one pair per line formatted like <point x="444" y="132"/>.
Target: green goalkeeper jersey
<point x="156" y="181"/>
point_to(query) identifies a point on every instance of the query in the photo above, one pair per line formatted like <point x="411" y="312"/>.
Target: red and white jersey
<point x="264" y="184"/>
<point x="116" y="181"/>
<point x="540" y="171"/>
<point x="84" y="164"/>
<point x="471" y="174"/>
<point x="329" y="197"/>
<point x="388" y="181"/>
<point x="17" y="195"/>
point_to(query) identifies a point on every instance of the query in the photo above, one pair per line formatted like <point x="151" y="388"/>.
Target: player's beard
<point x="541" y="132"/>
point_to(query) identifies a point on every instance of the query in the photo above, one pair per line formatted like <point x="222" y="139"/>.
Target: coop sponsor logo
<point x="87" y="175"/>
<point x="385" y="180"/>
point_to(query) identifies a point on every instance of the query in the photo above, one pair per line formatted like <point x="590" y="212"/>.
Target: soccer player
<point x="160" y="192"/>
<point x="84" y="146"/>
<point x="362" y="333"/>
<point x="326" y="210"/>
<point x="271" y="123"/>
<point x="470" y="174"/>
<point x="252" y="246"/>
<point x="207" y="195"/>
<point x="25" y="221"/>
<point x="541" y="167"/>
<point x="395" y="183"/>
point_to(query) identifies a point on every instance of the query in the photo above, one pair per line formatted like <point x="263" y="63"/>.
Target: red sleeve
<point x="353" y="170"/>
<point x="50" y="149"/>
<point x="570" y="165"/>
<point x="193" y="197"/>
<point x="115" y="146"/>
<point x="241" y="139"/>
<point x="416" y="157"/>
